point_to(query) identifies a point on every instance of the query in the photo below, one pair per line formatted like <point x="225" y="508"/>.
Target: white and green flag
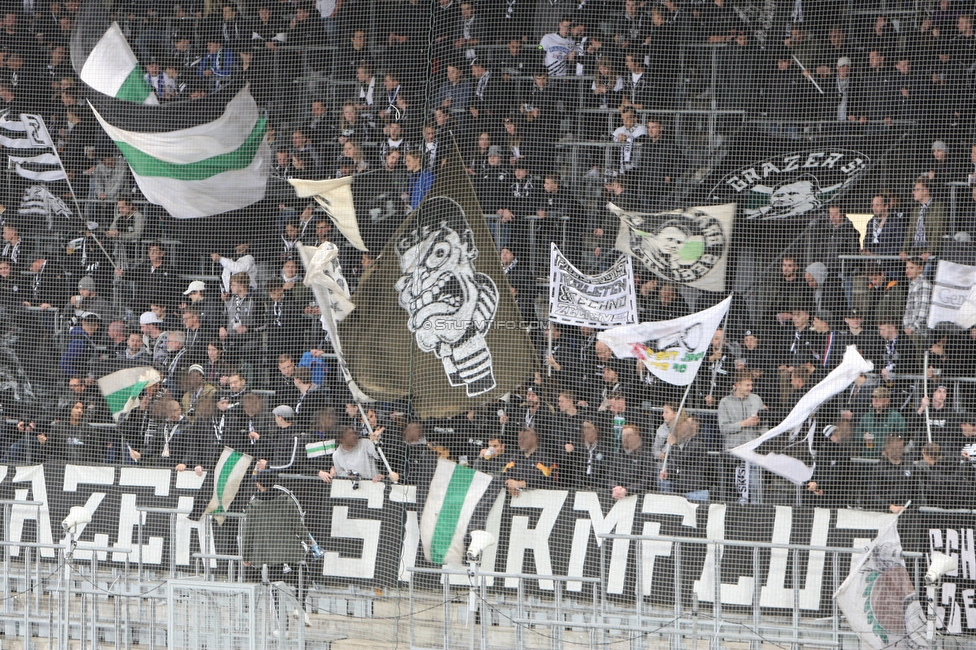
<point x="193" y="157"/>
<point x="455" y="492"/>
<point x="123" y="387"/>
<point x="230" y="471"/>
<point x="113" y="69"/>
<point x="208" y="168"/>
<point x="320" y="448"/>
<point x="878" y="597"/>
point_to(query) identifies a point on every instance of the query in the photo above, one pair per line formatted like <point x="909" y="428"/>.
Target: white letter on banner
<point x="661" y="504"/>
<point x="42" y="515"/>
<point x="775" y="592"/>
<point x="739" y="593"/>
<point x="620" y="519"/>
<point x="158" y="479"/>
<point x="185" y="527"/>
<point x="967" y="554"/>
<point x="152" y="552"/>
<point x="410" y="544"/>
<point x="75" y="475"/>
<point x="522" y="537"/>
<point x="367" y="530"/>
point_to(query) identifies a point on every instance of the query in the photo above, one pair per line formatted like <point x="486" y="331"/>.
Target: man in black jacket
<point x="530" y="468"/>
<point x="834" y="480"/>
<point x="892" y="483"/>
<point x="632" y="468"/>
<point x="588" y="460"/>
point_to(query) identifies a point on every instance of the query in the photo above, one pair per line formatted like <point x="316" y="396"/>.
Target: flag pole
<point x="549" y="351"/>
<point x="74" y="198"/>
<point x="925" y="394"/>
<point x="681" y="406"/>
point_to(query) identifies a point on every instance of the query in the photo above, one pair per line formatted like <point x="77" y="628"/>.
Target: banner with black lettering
<point x="596" y="301"/>
<point x="797" y="183"/>
<point x="950" y="291"/>
<point x="370" y="537"/>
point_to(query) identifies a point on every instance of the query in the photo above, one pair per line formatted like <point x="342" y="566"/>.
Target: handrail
<point x="741" y="542"/>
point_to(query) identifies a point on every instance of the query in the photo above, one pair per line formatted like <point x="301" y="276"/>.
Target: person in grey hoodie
<point x="740" y="418"/>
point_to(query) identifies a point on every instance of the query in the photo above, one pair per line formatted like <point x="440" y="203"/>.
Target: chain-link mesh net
<point x="404" y="279"/>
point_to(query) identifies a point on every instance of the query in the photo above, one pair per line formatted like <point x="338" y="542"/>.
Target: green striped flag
<point x="123" y="387"/>
<point x="193" y="157"/>
<point x="207" y="168"/>
<point x="113" y="69"/>
<point x="230" y="471"/>
<point x="455" y="492"/>
<point x="320" y="448"/>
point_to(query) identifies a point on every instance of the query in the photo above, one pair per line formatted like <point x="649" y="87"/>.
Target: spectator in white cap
<point x="208" y="303"/>
<point x="839" y="93"/>
<point x="198" y="391"/>
<point x="151" y="332"/>
<point x="943" y="166"/>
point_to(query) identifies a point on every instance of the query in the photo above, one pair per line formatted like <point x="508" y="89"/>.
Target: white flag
<point x="596" y="301"/>
<point x="335" y="197"/>
<point x="878" y="597"/>
<point x="323" y="276"/>
<point x="954" y="283"/>
<point x="793" y="469"/>
<point x="689" y="246"/>
<point x="672" y="350"/>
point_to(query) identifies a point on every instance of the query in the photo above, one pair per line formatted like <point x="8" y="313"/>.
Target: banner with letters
<point x="370" y="537"/>
<point x="597" y="301"/>
<point x="798" y="183"/>
<point x="689" y="247"/>
<point x="953" y="283"/>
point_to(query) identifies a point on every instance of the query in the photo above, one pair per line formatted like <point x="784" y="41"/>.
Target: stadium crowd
<point x="377" y="89"/>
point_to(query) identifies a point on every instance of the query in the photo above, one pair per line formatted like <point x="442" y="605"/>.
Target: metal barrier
<point x="601" y="622"/>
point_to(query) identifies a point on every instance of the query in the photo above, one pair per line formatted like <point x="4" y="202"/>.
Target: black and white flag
<point x="596" y="301"/>
<point x="34" y="156"/>
<point x="689" y="246"/>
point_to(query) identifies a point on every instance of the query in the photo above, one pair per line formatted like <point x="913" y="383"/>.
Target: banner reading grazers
<point x="596" y="301"/>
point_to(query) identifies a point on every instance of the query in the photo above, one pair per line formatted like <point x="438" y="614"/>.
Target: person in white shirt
<point x="162" y="84"/>
<point x="627" y="133"/>
<point x="243" y="264"/>
<point x="558" y="49"/>
<point x="354" y="458"/>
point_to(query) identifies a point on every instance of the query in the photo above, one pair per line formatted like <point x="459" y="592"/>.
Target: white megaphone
<point x="480" y="540"/>
<point x="939" y="565"/>
<point x="77" y="516"/>
<point x="689" y="339"/>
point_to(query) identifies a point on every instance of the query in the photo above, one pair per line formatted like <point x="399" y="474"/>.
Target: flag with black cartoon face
<point x="794" y="183"/>
<point x="435" y="319"/>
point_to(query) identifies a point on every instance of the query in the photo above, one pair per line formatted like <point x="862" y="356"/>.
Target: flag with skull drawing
<point x="435" y="319"/>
